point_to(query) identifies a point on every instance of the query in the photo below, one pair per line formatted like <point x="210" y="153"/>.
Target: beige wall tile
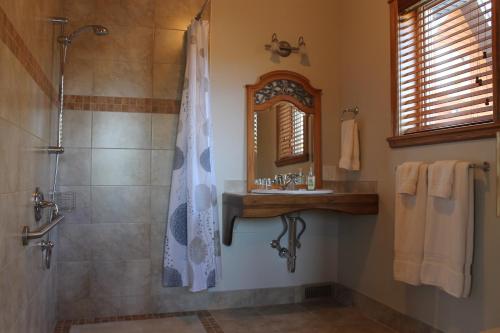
<point x="121" y="167"/>
<point x="12" y="83"/>
<point x="167" y="81"/>
<point x="160" y="196"/>
<point x="161" y="167"/>
<point x="9" y="161"/>
<point x="21" y="100"/>
<point x="35" y="118"/>
<point x="164" y="127"/>
<point x="27" y="290"/>
<point x="74" y="167"/>
<point x="73" y="242"/>
<point x="39" y="164"/>
<point x="126" y="43"/>
<point x="123" y="79"/>
<point x="84" y="46"/>
<point x="169" y="46"/>
<point x="174" y="14"/>
<point x="120" y="204"/>
<point x="29" y="17"/>
<point x="107" y="240"/>
<point x="9" y="239"/>
<point x="77" y="127"/>
<point x="82" y="11"/>
<point x="74" y="282"/>
<point x="135" y="13"/>
<point x="79" y="77"/>
<point x="121" y="130"/>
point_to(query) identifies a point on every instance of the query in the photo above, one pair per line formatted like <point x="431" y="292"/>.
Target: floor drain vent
<point x="318" y="291"/>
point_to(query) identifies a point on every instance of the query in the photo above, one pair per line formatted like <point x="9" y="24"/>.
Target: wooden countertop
<point x="252" y="205"/>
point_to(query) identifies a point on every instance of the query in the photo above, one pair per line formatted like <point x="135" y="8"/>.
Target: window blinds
<point x="445" y="65"/>
<point x="291" y="131"/>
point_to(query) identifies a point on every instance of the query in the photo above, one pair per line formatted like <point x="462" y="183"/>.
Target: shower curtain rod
<point x="198" y="17"/>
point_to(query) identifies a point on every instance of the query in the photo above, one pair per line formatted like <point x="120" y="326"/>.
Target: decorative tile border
<point x="18" y="47"/>
<point x="205" y="317"/>
<point x="121" y="104"/>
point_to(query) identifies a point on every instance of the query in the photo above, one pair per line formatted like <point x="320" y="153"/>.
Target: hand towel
<point x="441" y="176"/>
<point x="349" y="150"/>
<point x="410" y="212"/>
<point x="449" y="236"/>
<point x="407" y="177"/>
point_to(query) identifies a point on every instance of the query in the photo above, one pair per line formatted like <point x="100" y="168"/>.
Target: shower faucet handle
<point x="40" y="203"/>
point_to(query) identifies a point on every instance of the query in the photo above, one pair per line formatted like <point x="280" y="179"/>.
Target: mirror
<point x="284" y="127"/>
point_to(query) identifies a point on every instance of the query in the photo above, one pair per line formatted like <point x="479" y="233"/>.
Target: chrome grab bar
<point x="27" y="234"/>
<point x="50" y="150"/>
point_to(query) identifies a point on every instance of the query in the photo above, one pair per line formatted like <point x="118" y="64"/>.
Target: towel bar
<point x="27" y="235"/>
<point x="354" y="111"/>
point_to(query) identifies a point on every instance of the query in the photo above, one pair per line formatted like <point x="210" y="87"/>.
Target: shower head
<point x="98" y="30"/>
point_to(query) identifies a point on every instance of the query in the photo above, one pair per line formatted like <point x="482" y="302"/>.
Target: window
<point x="443" y="71"/>
<point x="292" y="134"/>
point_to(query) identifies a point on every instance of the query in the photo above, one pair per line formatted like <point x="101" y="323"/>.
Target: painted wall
<point x="239" y="31"/>
<point x="366" y="245"/>
<point x="27" y="59"/>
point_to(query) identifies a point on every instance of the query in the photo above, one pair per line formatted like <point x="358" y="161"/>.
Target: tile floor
<point x="185" y="324"/>
<point x="296" y="318"/>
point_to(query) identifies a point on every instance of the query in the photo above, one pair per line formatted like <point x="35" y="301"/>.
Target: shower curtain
<point x="192" y="241"/>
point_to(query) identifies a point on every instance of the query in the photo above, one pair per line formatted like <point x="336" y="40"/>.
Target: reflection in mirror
<point x="282" y="140"/>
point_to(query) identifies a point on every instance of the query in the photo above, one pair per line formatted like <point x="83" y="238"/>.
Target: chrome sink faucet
<point x="287" y="181"/>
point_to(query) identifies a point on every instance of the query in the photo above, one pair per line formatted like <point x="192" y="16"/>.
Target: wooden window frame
<point x="289" y="160"/>
<point x="453" y="134"/>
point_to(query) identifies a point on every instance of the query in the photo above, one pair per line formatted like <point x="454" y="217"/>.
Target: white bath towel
<point x="441" y="177"/>
<point x="410" y="229"/>
<point x="449" y="236"/>
<point x="349" y="149"/>
<point x="407" y="177"/>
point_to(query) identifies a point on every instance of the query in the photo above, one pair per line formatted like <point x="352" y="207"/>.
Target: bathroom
<point x="101" y="268"/>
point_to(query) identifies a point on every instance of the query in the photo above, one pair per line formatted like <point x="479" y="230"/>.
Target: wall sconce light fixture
<point x="283" y="48"/>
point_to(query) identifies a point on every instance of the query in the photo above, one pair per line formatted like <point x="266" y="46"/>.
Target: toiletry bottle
<point x="300" y="181"/>
<point x="311" y="180"/>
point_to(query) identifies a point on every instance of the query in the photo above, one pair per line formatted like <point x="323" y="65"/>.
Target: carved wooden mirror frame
<point x="283" y="86"/>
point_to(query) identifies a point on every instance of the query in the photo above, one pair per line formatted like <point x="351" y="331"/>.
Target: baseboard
<point x="380" y="312"/>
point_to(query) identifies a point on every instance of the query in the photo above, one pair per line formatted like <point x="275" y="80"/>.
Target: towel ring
<point x="354" y="111"/>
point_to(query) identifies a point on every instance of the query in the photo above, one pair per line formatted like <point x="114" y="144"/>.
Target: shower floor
<point x="296" y="318"/>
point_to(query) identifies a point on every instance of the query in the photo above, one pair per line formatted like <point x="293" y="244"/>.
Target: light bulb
<point x="275" y="44"/>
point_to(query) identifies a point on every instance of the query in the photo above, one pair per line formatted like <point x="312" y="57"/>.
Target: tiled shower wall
<point x="27" y="81"/>
<point x="119" y="163"/>
<point x="143" y="56"/>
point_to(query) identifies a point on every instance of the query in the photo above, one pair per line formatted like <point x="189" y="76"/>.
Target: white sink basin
<point x="296" y="192"/>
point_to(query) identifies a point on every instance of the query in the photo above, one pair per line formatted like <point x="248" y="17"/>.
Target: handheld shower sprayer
<point x="98" y="30"/>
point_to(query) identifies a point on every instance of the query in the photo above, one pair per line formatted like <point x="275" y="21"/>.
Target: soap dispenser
<point x="311" y="180"/>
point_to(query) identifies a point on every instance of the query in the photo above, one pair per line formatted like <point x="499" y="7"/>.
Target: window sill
<point x="465" y="133"/>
